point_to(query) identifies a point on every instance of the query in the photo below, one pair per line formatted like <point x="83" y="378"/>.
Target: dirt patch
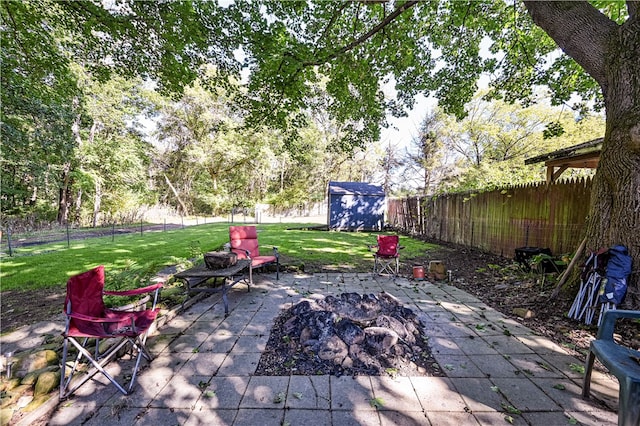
<point x="25" y="307"/>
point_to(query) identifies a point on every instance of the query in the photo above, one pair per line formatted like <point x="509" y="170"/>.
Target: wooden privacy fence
<point x="533" y="215"/>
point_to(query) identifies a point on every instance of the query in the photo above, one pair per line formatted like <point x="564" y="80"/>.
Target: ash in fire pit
<point x="349" y="334"/>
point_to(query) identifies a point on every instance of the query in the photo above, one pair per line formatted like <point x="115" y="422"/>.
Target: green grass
<point x="135" y="258"/>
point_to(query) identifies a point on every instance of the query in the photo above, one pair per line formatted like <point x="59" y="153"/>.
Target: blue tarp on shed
<point x="356" y="206"/>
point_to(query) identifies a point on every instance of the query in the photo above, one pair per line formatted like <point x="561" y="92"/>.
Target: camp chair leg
<point x="97" y="364"/>
<point x="391" y="266"/>
<point x="142" y="352"/>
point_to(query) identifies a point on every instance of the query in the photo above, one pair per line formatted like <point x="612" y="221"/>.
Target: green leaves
<point x="279" y="397"/>
<point x="578" y="368"/>
<point x="377" y="403"/>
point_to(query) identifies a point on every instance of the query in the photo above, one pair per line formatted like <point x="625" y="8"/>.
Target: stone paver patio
<point x="203" y="371"/>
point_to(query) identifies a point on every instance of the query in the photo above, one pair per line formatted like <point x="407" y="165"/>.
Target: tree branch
<point x="579" y="29"/>
<point x="389" y="19"/>
<point x="333" y="20"/>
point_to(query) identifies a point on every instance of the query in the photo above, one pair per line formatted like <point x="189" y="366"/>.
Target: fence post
<point x="9" y="241"/>
<point x="419" y="215"/>
<point x="472" y="234"/>
<point x="140" y="226"/>
<point x="164" y="227"/>
<point x="68" y="236"/>
<point x="113" y="231"/>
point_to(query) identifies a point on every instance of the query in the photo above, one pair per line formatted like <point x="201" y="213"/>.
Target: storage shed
<point x="356" y="206"/>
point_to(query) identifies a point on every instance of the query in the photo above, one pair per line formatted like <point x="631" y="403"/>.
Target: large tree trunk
<point x="615" y="200"/>
<point x="610" y="54"/>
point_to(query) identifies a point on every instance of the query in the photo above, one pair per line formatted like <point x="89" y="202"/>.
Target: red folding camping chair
<point x="387" y="255"/>
<point x="244" y="242"/>
<point x="89" y="322"/>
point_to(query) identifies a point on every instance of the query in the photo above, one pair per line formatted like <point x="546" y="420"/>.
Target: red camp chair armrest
<point x="135" y="291"/>
<point x="246" y="252"/>
<point x="124" y="316"/>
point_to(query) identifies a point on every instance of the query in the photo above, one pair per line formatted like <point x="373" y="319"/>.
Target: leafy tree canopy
<point x="357" y="46"/>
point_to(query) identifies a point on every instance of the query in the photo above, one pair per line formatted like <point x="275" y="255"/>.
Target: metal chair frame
<point x="108" y="344"/>
<point x="387" y="255"/>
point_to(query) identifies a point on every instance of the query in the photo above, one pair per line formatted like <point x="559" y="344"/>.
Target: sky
<point x="404" y="129"/>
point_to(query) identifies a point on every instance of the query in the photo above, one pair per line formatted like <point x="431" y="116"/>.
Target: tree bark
<point x="97" y="201"/>
<point x="610" y="54"/>
<point x="64" y="195"/>
<point x="182" y="205"/>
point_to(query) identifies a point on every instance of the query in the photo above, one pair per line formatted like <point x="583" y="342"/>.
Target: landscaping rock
<point x="36" y="403"/>
<point x="32" y="377"/>
<point x="523" y="312"/>
<point x="32" y="361"/>
<point x="5" y="416"/>
<point x="10" y="384"/>
<point x="47" y="382"/>
<point x="10" y="398"/>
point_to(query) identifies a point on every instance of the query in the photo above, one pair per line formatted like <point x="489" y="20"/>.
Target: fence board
<point x="535" y="215"/>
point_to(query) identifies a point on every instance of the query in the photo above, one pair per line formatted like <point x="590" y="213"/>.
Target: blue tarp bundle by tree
<point x="618" y="270"/>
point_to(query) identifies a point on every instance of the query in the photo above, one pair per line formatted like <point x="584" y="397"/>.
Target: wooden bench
<point x="622" y="362"/>
<point x="231" y="276"/>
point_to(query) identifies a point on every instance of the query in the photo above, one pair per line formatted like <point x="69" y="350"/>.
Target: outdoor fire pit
<point x="348" y="334"/>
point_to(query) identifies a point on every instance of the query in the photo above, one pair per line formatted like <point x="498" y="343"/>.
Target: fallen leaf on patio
<point x="544" y="365"/>
<point x="578" y="368"/>
<point x="376" y="402"/>
<point x="278" y="398"/>
<point x="510" y="408"/>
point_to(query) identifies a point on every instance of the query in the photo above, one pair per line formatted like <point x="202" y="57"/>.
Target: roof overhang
<point x="585" y="155"/>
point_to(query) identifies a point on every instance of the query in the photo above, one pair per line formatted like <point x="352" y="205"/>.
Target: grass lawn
<point x="131" y="260"/>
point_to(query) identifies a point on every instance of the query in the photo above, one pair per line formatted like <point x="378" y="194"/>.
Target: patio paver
<point x="203" y="372"/>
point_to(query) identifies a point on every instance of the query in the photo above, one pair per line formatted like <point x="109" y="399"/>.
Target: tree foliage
<point x="487" y="148"/>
